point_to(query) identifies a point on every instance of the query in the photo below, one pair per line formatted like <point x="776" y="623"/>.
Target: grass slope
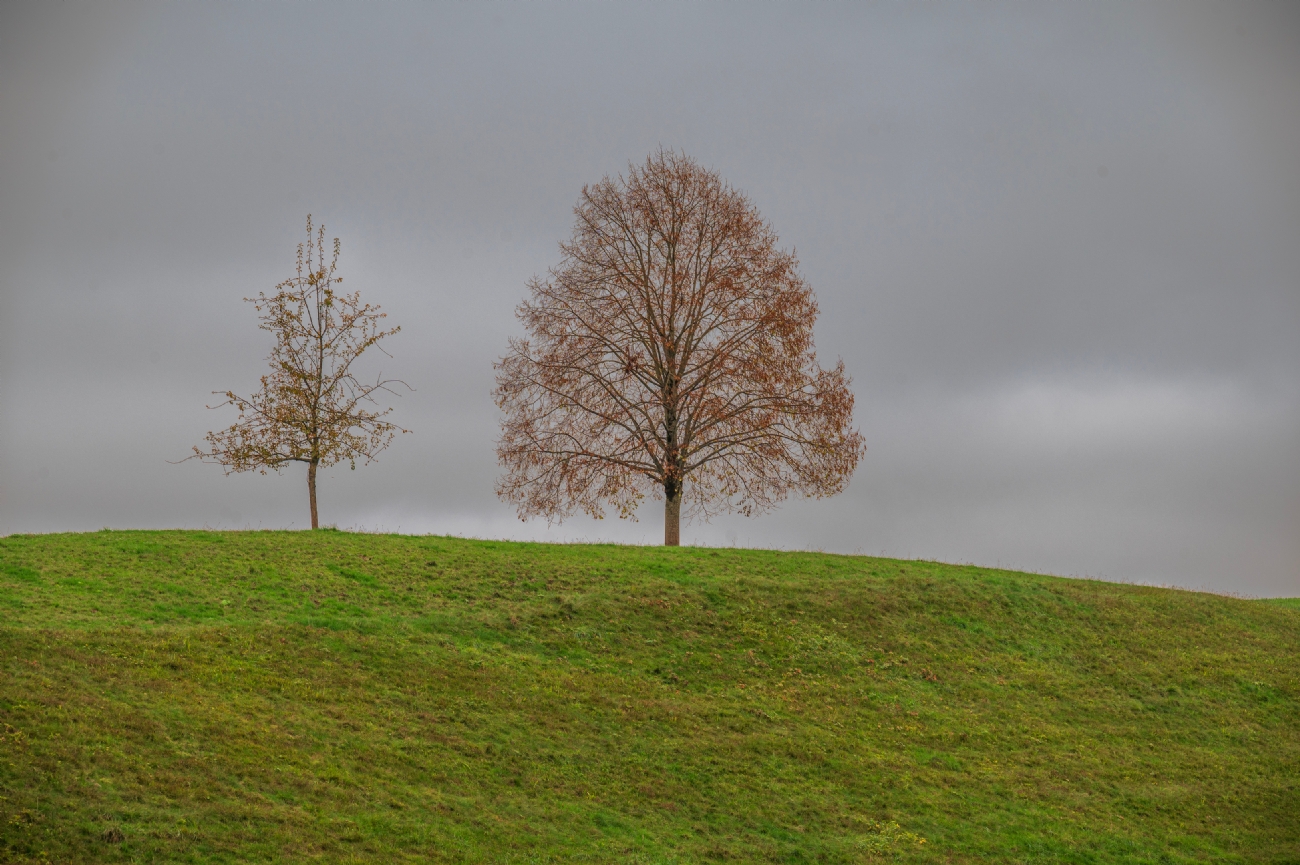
<point x="269" y="696"/>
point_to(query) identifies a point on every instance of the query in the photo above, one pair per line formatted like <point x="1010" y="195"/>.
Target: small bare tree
<point x="673" y="343"/>
<point x="311" y="409"/>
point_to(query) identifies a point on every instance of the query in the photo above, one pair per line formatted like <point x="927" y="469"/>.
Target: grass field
<point x="334" y="697"/>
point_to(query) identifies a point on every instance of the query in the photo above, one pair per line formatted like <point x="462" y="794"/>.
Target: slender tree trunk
<point x="311" y="492"/>
<point x="672" y="515"/>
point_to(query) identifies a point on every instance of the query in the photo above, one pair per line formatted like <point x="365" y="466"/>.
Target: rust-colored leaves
<point x="673" y="342"/>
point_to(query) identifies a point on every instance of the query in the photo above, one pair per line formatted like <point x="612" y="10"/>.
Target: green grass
<point x="277" y="697"/>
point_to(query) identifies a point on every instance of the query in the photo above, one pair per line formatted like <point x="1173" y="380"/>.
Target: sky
<point x="1056" y="245"/>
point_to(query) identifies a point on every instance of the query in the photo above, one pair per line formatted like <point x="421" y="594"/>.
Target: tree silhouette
<point x="311" y="408"/>
<point x="670" y="353"/>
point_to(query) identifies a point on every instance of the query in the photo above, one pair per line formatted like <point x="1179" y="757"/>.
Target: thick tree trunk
<point x="672" y="516"/>
<point x="673" y="481"/>
<point x="311" y="492"/>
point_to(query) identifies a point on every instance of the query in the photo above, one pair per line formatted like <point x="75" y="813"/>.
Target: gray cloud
<point x="1057" y="248"/>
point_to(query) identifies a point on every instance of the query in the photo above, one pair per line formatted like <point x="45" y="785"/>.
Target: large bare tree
<point x="311" y="408"/>
<point x="670" y="353"/>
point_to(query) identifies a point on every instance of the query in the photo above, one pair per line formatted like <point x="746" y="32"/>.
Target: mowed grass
<point x="334" y="697"/>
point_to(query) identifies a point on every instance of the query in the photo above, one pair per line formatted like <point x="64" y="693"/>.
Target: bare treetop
<point x="672" y="343"/>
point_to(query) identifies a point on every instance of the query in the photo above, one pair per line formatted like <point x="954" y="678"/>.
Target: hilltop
<point x="335" y="697"/>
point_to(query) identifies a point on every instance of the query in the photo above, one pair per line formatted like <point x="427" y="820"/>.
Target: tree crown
<point x="311" y="407"/>
<point x="672" y="342"/>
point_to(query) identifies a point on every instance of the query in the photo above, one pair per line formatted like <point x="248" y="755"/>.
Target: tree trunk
<point x="672" y="516"/>
<point x="673" y="481"/>
<point x="311" y="492"/>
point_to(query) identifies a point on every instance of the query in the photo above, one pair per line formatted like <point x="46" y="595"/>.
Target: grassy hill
<point x="271" y="696"/>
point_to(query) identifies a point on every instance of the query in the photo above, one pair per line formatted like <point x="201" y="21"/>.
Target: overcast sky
<point x="1056" y="245"/>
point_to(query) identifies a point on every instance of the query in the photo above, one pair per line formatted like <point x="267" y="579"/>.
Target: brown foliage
<point x="311" y="408"/>
<point x="673" y="342"/>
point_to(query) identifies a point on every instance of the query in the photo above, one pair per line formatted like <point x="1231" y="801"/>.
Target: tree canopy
<point x="670" y="353"/>
<point x="311" y="407"/>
